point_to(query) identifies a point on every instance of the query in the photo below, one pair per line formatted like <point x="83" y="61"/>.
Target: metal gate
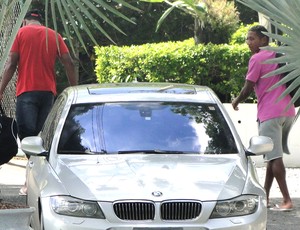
<point x="9" y="96"/>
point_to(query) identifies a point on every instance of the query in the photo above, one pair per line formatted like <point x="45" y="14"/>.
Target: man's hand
<point x="244" y="94"/>
<point x="235" y="104"/>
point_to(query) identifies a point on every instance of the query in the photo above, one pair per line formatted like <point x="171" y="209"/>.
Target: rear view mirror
<point x="260" y="145"/>
<point x="33" y="146"/>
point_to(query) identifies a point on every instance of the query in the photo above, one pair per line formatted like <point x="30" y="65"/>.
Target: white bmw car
<point x="143" y="156"/>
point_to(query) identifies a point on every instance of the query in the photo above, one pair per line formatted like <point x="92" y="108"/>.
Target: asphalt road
<point x="12" y="177"/>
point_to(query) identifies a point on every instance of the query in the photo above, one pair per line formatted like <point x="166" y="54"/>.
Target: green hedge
<point x="221" y="67"/>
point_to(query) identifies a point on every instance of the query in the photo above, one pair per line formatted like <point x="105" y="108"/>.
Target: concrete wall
<point x="245" y="122"/>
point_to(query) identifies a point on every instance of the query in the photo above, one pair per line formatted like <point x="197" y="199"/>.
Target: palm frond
<point x="283" y="14"/>
<point x="192" y="7"/>
<point x="84" y="15"/>
<point x="164" y="16"/>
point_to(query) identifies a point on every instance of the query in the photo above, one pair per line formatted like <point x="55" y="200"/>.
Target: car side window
<point x="51" y="122"/>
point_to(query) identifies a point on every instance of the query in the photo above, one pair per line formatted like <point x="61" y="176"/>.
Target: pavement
<point x="283" y="220"/>
<point x="12" y="177"/>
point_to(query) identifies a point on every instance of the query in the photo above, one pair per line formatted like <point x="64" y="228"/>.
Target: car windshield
<point x="146" y="127"/>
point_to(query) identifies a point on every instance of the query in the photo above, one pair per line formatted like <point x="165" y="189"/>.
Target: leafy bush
<point x="221" y="67"/>
<point x="239" y="36"/>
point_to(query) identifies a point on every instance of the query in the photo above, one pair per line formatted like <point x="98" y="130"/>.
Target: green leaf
<point x="153" y="1"/>
<point x="163" y="17"/>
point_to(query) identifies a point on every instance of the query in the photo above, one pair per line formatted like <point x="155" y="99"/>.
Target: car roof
<point x="138" y="91"/>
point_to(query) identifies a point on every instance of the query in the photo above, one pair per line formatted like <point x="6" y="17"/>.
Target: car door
<point x="38" y="167"/>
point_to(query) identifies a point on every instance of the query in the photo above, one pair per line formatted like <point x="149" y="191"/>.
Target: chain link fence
<point x="9" y="97"/>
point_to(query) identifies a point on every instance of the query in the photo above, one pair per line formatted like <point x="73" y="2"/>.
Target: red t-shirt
<point x="37" y="51"/>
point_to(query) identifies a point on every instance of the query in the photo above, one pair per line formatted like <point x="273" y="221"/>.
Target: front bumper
<point x="257" y="221"/>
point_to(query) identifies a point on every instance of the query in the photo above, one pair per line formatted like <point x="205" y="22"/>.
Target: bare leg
<point x="276" y="169"/>
<point x="268" y="180"/>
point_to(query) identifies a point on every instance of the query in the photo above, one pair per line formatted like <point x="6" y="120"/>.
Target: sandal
<point x="278" y="208"/>
<point x="23" y="192"/>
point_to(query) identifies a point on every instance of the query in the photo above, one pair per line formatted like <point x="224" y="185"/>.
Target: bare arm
<point x="244" y="94"/>
<point x="67" y="61"/>
<point x="9" y="71"/>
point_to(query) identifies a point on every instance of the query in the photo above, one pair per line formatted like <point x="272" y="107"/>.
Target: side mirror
<point x="33" y="146"/>
<point x="260" y="145"/>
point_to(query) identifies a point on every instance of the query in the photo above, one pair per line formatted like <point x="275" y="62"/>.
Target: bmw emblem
<point x="157" y="193"/>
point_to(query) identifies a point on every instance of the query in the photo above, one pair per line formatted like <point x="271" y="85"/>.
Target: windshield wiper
<point x="155" y="151"/>
<point x="87" y="152"/>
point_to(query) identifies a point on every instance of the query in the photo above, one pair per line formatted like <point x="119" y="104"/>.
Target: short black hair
<point x="259" y="29"/>
<point x="34" y="15"/>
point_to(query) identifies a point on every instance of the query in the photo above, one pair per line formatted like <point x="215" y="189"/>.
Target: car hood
<point x="137" y="176"/>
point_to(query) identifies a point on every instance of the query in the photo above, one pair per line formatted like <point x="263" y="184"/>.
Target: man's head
<point x="256" y="38"/>
<point x="33" y="15"/>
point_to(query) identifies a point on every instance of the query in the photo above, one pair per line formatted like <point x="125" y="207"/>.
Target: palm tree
<point x="75" y="14"/>
<point x="283" y="14"/>
<point x="214" y="20"/>
<point x="78" y="17"/>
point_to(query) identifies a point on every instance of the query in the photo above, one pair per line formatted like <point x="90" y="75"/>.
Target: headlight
<point x="239" y="206"/>
<point x="69" y="206"/>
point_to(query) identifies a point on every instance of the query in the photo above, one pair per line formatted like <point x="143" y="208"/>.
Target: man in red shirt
<point x="35" y="51"/>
